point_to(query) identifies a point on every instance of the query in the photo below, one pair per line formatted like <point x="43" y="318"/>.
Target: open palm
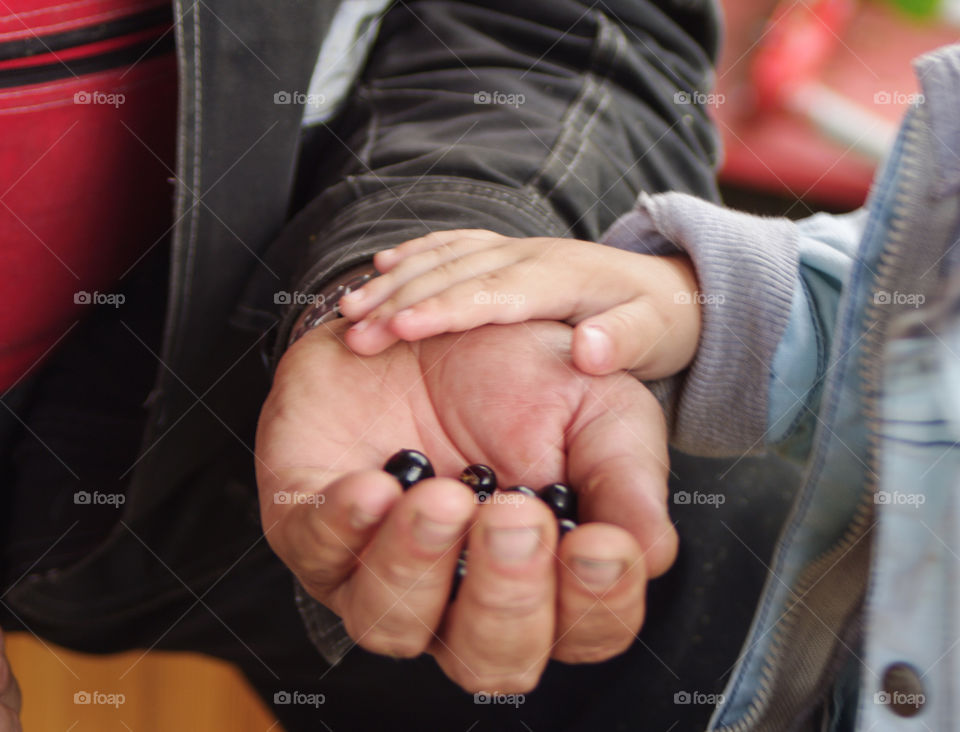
<point x="506" y="396"/>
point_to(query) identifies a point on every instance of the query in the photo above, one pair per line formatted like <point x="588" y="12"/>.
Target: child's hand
<point x="631" y="311"/>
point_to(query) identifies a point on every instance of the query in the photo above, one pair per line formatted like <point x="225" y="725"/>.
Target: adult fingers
<point x="499" y="632"/>
<point x="600" y="596"/>
<point x="617" y="458"/>
<point x="320" y="530"/>
<point x="394" y="601"/>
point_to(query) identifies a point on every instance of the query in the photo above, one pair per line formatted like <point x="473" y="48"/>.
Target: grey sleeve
<point x="747" y="267"/>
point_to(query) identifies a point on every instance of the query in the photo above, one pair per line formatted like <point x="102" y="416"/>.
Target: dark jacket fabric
<point x="527" y="118"/>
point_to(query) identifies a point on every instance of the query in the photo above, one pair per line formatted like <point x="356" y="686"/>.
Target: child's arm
<point x="768" y="294"/>
<point x="631" y="311"/>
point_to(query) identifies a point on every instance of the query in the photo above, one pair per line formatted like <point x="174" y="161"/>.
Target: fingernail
<point x="360" y="326"/>
<point x="598" y="344"/>
<point x="597" y="574"/>
<point x="354" y="296"/>
<point x="404" y="313"/>
<point x="435" y="534"/>
<point x="513" y="545"/>
<point x="383" y="258"/>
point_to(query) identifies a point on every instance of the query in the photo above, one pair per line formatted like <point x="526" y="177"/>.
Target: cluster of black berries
<point x="412" y="466"/>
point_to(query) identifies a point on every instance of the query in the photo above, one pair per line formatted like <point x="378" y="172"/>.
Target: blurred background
<point x="808" y="98"/>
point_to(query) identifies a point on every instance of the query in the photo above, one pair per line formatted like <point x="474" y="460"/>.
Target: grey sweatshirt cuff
<point x="747" y="269"/>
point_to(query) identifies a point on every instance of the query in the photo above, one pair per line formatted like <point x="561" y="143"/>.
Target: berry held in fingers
<point x="409" y="467"/>
<point x="481" y="478"/>
<point x="561" y="500"/>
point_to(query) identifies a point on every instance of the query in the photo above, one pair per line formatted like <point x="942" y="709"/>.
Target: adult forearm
<point x="528" y="119"/>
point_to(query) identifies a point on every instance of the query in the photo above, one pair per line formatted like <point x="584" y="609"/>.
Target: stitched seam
<point x="566" y="132"/>
<point x="599" y="89"/>
<point x="584" y="144"/>
<point x="593" y="86"/>
<point x="316" y="274"/>
<point x="518" y="203"/>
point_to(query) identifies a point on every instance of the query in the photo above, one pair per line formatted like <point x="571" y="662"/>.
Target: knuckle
<point x="592" y="653"/>
<point x="386" y="644"/>
<point x="499" y="604"/>
<point x="505" y="683"/>
<point x="389" y="635"/>
<point x="404" y="577"/>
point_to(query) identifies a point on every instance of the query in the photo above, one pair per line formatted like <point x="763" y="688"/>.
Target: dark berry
<point x="524" y="490"/>
<point x="409" y="467"/>
<point x="563" y="526"/>
<point x="561" y="500"/>
<point x="458" y="574"/>
<point x="481" y="478"/>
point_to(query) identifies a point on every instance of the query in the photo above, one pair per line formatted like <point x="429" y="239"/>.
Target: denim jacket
<point x="853" y="322"/>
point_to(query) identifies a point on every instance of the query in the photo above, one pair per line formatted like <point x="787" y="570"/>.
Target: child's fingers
<point x="428" y="270"/>
<point x="477" y="267"/>
<point x="510" y="295"/>
<point x="634" y="336"/>
<point x="389" y="258"/>
<point x="369" y="337"/>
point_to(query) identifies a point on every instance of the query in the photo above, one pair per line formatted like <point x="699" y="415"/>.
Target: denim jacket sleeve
<point x="769" y="294"/>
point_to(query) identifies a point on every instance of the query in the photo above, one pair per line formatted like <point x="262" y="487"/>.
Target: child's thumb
<point x="632" y="336"/>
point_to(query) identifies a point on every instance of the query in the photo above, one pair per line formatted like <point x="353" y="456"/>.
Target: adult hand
<point x="383" y="560"/>
<point x="9" y="693"/>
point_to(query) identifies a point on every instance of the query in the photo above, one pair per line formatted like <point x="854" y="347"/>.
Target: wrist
<point x="325" y="305"/>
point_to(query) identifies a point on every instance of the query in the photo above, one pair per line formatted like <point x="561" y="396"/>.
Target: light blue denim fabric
<point x="870" y="364"/>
